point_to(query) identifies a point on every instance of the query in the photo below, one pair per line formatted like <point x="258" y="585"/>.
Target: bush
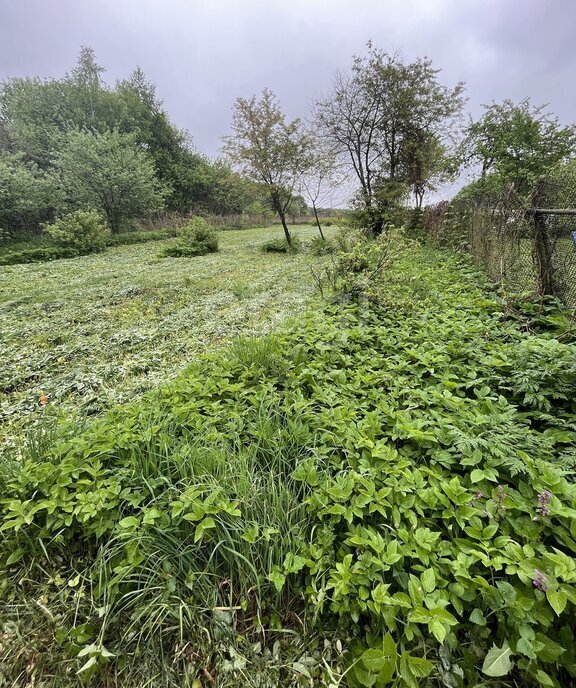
<point x="321" y="247"/>
<point x="38" y="255"/>
<point x="196" y="239"/>
<point x="281" y="246"/>
<point x="83" y="230"/>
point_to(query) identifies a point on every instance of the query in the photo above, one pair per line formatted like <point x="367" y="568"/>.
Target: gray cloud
<point x="204" y="53"/>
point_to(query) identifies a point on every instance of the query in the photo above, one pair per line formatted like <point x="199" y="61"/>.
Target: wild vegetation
<point x="197" y="490"/>
<point x="377" y="494"/>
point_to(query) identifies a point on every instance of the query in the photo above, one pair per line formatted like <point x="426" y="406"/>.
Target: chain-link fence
<point x="526" y="247"/>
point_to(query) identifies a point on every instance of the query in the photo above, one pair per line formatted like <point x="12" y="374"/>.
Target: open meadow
<point x="95" y="330"/>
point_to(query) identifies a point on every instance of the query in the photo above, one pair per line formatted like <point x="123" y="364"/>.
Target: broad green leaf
<point x="389" y="646"/>
<point x="428" y="580"/>
<point x="92" y="661"/>
<point x="204" y="525"/>
<point x="418" y="666"/>
<point x="151" y="515"/>
<point x="438" y="630"/>
<point x="497" y="661"/>
<point x="278" y="578"/>
<point x="557" y="600"/>
<point x="16" y="555"/>
<point x="373" y="660"/>
<point x="477" y="617"/>
<point x="543" y="679"/>
<point x="477" y="475"/>
<point x="129" y="523"/>
<point x="251" y="534"/>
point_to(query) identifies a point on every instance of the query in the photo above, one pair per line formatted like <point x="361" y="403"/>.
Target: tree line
<point x="387" y="126"/>
<point x="77" y="143"/>
<point x="398" y="133"/>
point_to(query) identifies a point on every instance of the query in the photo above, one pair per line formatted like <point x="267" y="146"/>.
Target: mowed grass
<point x="92" y="331"/>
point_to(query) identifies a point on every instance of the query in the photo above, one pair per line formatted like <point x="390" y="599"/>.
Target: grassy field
<point x="378" y="493"/>
<point x="95" y="330"/>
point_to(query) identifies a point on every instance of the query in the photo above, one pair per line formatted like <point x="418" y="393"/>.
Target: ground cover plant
<point x="77" y="335"/>
<point x="379" y="494"/>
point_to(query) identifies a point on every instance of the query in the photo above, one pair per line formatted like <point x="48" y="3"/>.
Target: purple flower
<point x="543" y="507"/>
<point x="501" y="498"/>
<point x="540" y="581"/>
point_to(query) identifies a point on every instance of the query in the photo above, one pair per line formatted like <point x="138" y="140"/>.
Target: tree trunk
<point x="542" y="248"/>
<point x="543" y="255"/>
<point x="282" y="215"/>
<point x="318" y="221"/>
<point x="285" y="226"/>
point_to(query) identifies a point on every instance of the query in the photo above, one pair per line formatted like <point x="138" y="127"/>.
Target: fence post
<point x="542" y="250"/>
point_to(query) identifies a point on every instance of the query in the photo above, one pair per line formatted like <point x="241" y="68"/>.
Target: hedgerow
<point x="380" y="495"/>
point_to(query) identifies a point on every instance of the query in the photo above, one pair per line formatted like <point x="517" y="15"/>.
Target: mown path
<point x="96" y="330"/>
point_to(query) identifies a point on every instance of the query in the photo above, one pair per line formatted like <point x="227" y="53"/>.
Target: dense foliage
<point x="53" y="130"/>
<point x="45" y="249"/>
<point x="379" y="495"/>
<point x="109" y="173"/>
<point x="84" y="231"/>
<point x="196" y="239"/>
<point x="516" y="144"/>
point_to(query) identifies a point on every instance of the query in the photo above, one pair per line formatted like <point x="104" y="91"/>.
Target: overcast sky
<point x="202" y="54"/>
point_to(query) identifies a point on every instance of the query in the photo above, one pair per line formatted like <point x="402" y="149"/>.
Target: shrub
<point x="321" y="247"/>
<point x="37" y="255"/>
<point x="5" y="236"/>
<point x="281" y="246"/>
<point x="83" y="230"/>
<point x="196" y="239"/>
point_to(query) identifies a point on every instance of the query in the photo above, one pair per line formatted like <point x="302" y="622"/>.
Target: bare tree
<point x="323" y="173"/>
<point x="375" y="117"/>
<point x="268" y="149"/>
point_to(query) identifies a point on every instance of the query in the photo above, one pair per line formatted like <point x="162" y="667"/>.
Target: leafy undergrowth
<point x="83" y="334"/>
<point x="380" y="495"/>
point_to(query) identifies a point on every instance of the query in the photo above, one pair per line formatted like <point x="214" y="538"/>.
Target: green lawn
<point x="95" y="330"/>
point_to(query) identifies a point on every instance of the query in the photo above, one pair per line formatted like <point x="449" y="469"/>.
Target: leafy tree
<point x="38" y="114"/>
<point x="378" y="117"/>
<point x="28" y="195"/>
<point x="36" y="117"/>
<point x="428" y="163"/>
<point x="108" y="172"/>
<point x="517" y="144"/>
<point x="268" y="149"/>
